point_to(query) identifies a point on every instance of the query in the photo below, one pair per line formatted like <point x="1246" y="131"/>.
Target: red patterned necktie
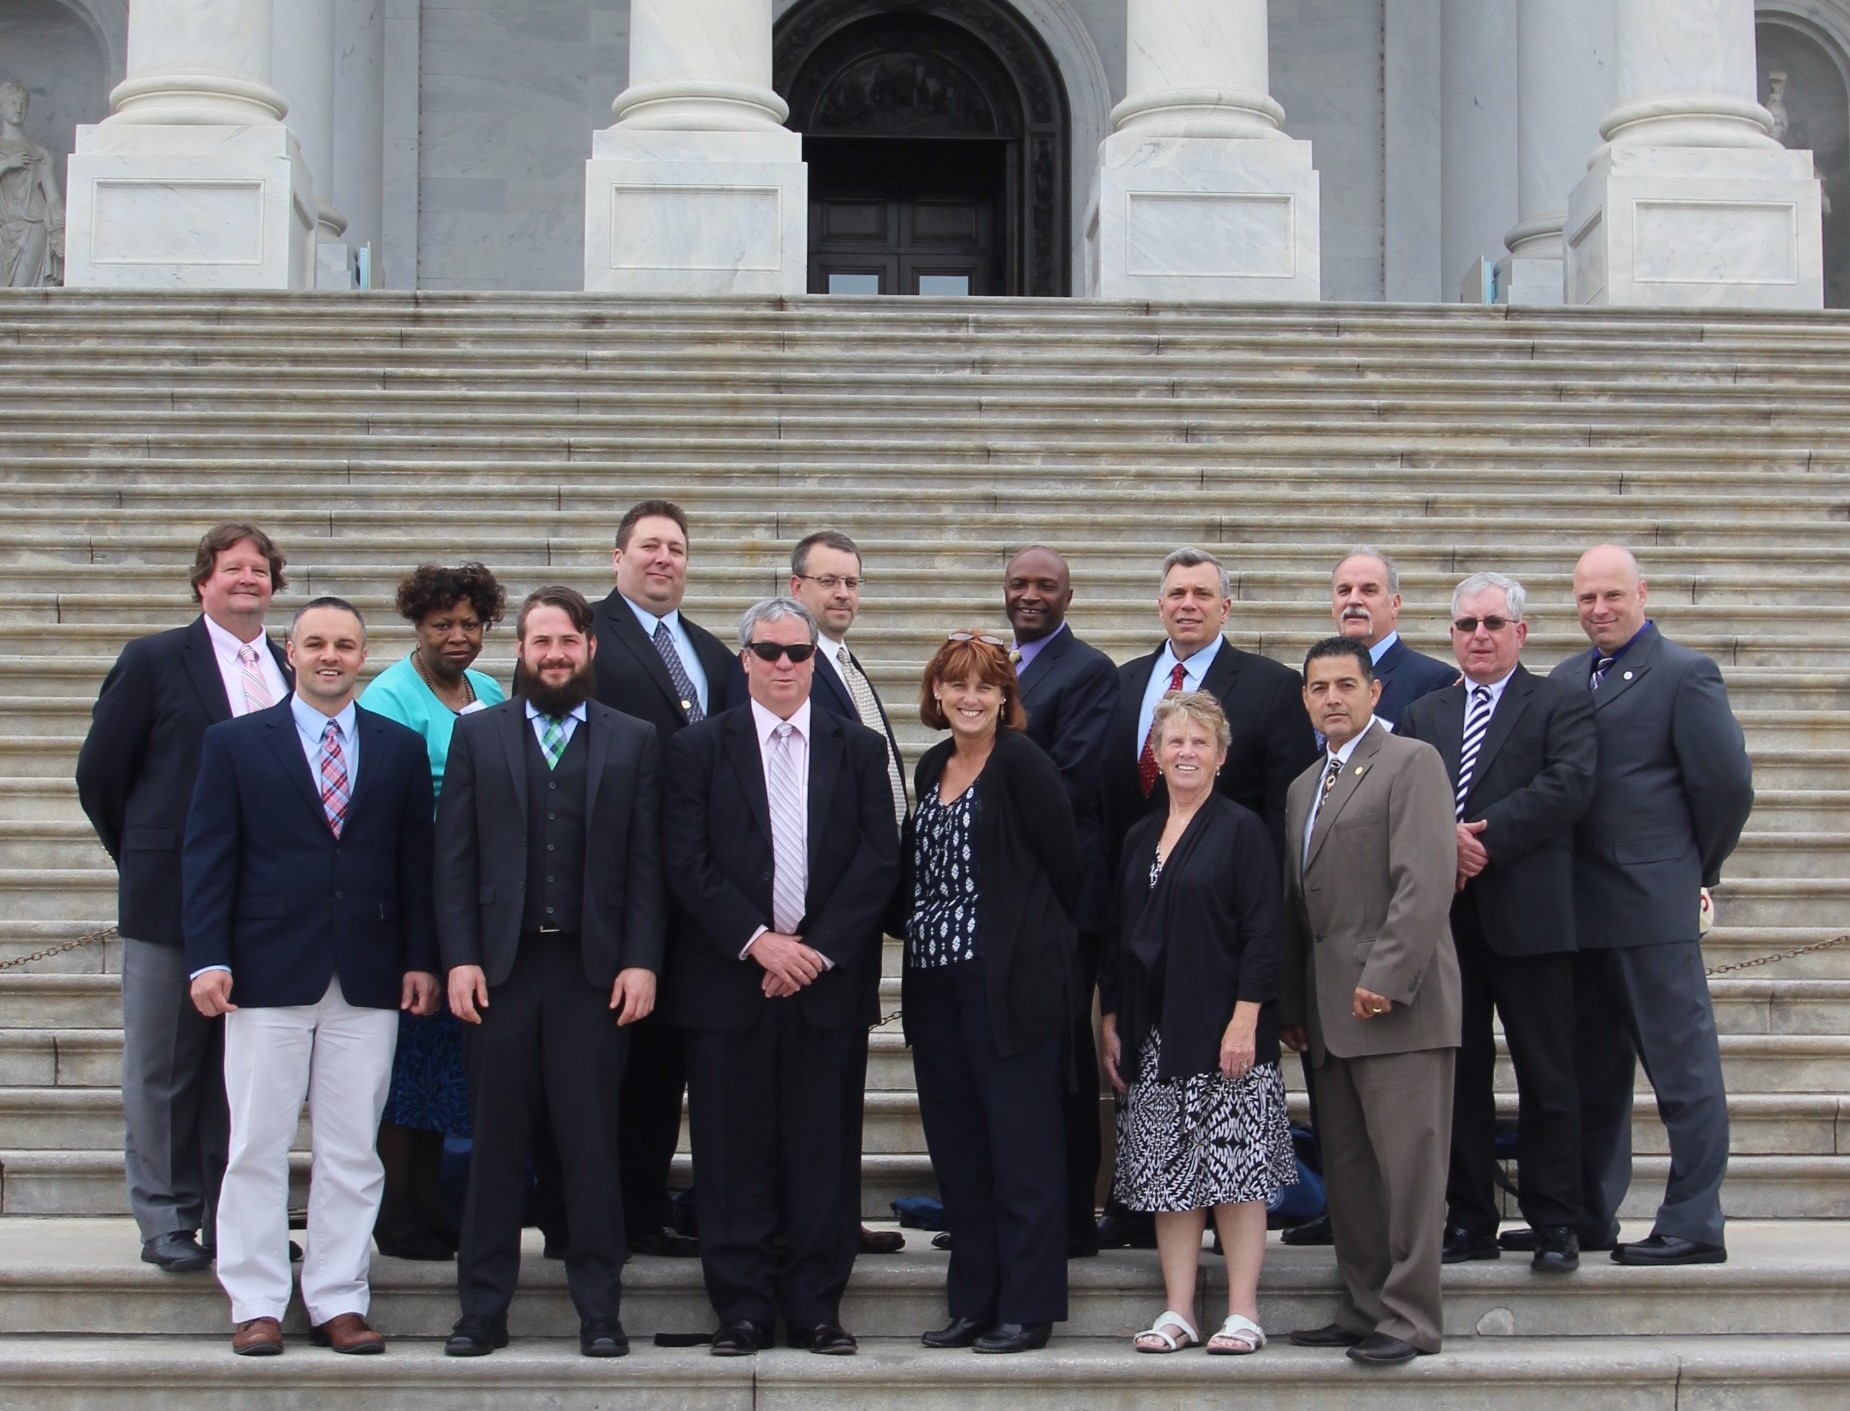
<point x="334" y="792"/>
<point x="1146" y="762"/>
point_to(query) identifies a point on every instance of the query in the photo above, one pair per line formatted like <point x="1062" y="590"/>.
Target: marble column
<point x="1565" y="63"/>
<point x="193" y="181"/>
<point x="359" y="125"/>
<point x="698" y="188"/>
<point x="1477" y="142"/>
<point x="1201" y="195"/>
<point x="302" y="68"/>
<point x="1691" y="202"/>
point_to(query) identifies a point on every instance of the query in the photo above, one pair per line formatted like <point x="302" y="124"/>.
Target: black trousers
<point x="651" y="1121"/>
<point x="1083" y="1144"/>
<point x="1534" y="995"/>
<point x="775" y="1115"/>
<point x="993" y="1127"/>
<point x="548" y="1048"/>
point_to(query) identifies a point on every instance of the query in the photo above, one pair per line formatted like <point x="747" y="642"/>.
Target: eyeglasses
<point x="798" y="652"/>
<point x="982" y="637"/>
<point x="829" y="582"/>
<point x="1468" y="625"/>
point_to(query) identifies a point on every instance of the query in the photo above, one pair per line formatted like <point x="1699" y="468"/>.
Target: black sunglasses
<point x="798" y="652"/>
<point x="1468" y="625"/>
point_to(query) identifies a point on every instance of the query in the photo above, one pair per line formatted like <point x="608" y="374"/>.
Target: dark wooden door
<point x="903" y="216"/>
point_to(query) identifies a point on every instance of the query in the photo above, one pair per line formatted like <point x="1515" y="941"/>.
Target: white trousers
<point x="339" y="1058"/>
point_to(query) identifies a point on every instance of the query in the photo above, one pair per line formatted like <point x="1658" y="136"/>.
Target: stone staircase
<point x="370" y="433"/>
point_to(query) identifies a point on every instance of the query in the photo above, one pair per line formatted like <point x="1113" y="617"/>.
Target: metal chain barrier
<point x="89" y="938"/>
<point x="1776" y="956"/>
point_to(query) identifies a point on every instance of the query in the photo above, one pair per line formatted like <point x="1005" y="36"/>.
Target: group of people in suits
<point x="612" y="882"/>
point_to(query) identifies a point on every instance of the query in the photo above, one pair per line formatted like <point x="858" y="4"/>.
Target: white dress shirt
<point x="568" y="722"/>
<point x="1316" y="804"/>
<point x="231" y="671"/>
<point x="1194" y="670"/>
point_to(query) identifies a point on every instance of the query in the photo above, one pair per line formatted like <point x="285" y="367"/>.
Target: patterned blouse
<point x="943" y="927"/>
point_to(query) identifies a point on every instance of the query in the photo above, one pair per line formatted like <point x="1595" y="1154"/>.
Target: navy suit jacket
<point x="1406" y="675"/>
<point x="1070" y="692"/>
<point x="136" y="771"/>
<point x="270" y="892"/>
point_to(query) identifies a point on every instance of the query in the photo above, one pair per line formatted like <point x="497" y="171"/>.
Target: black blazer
<point x="828" y="693"/>
<point x="1070" y="692"/>
<point x="1406" y="675"/>
<point x="632" y="678"/>
<point x="481" y="874"/>
<point x="273" y="894"/>
<point x="1532" y="782"/>
<point x="1209" y="934"/>
<point x="717" y="843"/>
<point x="1027" y="878"/>
<point x="1271" y="744"/>
<point x="138" y="765"/>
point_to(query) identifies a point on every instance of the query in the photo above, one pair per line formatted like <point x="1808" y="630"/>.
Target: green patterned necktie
<point x="552" y="739"/>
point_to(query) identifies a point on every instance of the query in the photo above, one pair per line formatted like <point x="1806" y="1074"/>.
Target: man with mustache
<point x="1365" y="601"/>
<point x="551" y="917"/>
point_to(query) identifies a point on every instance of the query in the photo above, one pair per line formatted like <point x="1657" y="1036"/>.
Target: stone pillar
<point x="359" y="124"/>
<point x="1201" y="195"/>
<point x="698" y="188"/>
<point x="1565" y="63"/>
<point x="1477" y="142"/>
<point x="302" y="67"/>
<point x="1691" y="202"/>
<point x="192" y="181"/>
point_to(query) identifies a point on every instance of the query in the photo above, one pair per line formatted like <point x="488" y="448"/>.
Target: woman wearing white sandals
<point x="1191" y="1028"/>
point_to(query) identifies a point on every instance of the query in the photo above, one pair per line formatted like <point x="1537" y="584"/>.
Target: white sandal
<point x="1190" y="1336"/>
<point x="1241" y="1334"/>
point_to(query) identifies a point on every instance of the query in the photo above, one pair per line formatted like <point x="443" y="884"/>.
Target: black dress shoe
<point x="177" y="1253"/>
<point x="959" y="1332"/>
<point x="740" y="1339"/>
<point x="1128" y="1229"/>
<point x="475" y="1335"/>
<point x="1462" y="1245"/>
<point x="1329" y="1335"/>
<point x="1522" y="1240"/>
<point x="941" y="1240"/>
<point x="1080" y="1246"/>
<point x="413" y="1244"/>
<point x="602" y="1337"/>
<point x="1014" y="1337"/>
<point x="829" y="1339"/>
<point x="1310" y="1232"/>
<point x="1557" y="1250"/>
<point x="665" y="1243"/>
<point x="1658" y="1249"/>
<point x="1382" y="1350"/>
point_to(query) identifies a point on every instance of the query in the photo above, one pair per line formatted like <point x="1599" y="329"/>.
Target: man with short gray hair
<point x="781" y="846"/>
<point x="1365" y="601"/>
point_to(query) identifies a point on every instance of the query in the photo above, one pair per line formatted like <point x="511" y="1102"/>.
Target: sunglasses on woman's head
<point x="982" y="637"/>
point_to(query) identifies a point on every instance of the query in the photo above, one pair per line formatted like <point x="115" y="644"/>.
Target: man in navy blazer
<point x="135" y="779"/>
<point x="779" y="841"/>
<point x="1070" y="692"/>
<point x="1365" y="601"/>
<point x="306" y="879"/>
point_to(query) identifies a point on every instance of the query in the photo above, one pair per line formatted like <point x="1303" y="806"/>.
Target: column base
<point x="336" y="265"/>
<point x="1205" y="220"/>
<point x="1529" y="281"/>
<point x="1696" y="227"/>
<point x="189" y="207"/>
<point x="696" y="213"/>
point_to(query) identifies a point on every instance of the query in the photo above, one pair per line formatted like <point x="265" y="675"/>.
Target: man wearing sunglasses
<point x="1520" y="752"/>
<point x="780" y="843"/>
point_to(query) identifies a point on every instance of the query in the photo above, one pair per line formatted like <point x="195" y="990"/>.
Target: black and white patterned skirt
<point x="1202" y="1140"/>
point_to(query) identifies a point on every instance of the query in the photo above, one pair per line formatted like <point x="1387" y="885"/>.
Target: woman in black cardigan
<point x="1189" y="995"/>
<point x="989" y="995"/>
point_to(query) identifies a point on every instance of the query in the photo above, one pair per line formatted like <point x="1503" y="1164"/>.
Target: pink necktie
<point x="334" y="795"/>
<point x="256" y="693"/>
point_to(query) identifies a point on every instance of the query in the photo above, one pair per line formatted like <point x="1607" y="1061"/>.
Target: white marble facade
<point x="466" y="144"/>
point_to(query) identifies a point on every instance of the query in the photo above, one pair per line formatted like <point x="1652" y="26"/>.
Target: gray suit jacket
<point x="1673" y="791"/>
<point x="1371" y="904"/>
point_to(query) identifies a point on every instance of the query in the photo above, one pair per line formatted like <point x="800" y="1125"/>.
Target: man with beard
<point x="1365" y="601"/>
<point x="550" y="959"/>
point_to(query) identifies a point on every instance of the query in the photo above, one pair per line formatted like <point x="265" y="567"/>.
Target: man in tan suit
<point x="1370" y="984"/>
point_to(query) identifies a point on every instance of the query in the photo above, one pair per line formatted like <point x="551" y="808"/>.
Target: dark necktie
<point x="1146" y="762"/>
<point x="677" y="673"/>
<point x="1600" y="668"/>
<point x="1477" y="722"/>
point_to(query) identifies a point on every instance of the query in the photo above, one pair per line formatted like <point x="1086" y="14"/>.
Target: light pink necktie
<point x="256" y="693"/>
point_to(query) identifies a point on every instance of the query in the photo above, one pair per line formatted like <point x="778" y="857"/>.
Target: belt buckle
<point x="549" y="930"/>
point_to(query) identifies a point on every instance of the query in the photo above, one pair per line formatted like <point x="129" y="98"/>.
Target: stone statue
<point x="1776" y="104"/>
<point x="31" y="209"/>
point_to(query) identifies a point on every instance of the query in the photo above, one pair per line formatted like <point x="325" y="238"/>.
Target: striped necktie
<point x="334" y="788"/>
<point x="256" y="693"/>
<point x="862" y="692"/>
<point x="789" y="834"/>
<point x="677" y="673"/>
<point x="1600" y="668"/>
<point x="1477" y="722"/>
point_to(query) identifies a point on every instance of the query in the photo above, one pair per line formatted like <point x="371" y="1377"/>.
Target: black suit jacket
<point x="1070" y="692"/>
<point x="830" y="694"/>
<point x="481" y="872"/>
<point x="632" y="678"/>
<point x="1271" y="741"/>
<point x="1672" y="795"/>
<point x="138" y="765"/>
<point x="1406" y="675"/>
<point x="274" y="895"/>
<point x="1532" y="781"/>
<point x="717" y="843"/>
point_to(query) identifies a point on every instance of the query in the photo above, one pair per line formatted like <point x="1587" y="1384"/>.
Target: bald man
<point x="1672" y="793"/>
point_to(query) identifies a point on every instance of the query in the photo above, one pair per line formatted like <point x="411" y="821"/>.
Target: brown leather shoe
<point x="257" y="1337"/>
<point x="881" y="1241"/>
<point x="347" y="1332"/>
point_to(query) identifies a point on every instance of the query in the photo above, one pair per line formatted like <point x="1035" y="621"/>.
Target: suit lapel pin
<point x="1628" y="676"/>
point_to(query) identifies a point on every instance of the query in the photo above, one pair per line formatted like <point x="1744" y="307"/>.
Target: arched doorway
<point x="1805" y="81"/>
<point x="936" y="133"/>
